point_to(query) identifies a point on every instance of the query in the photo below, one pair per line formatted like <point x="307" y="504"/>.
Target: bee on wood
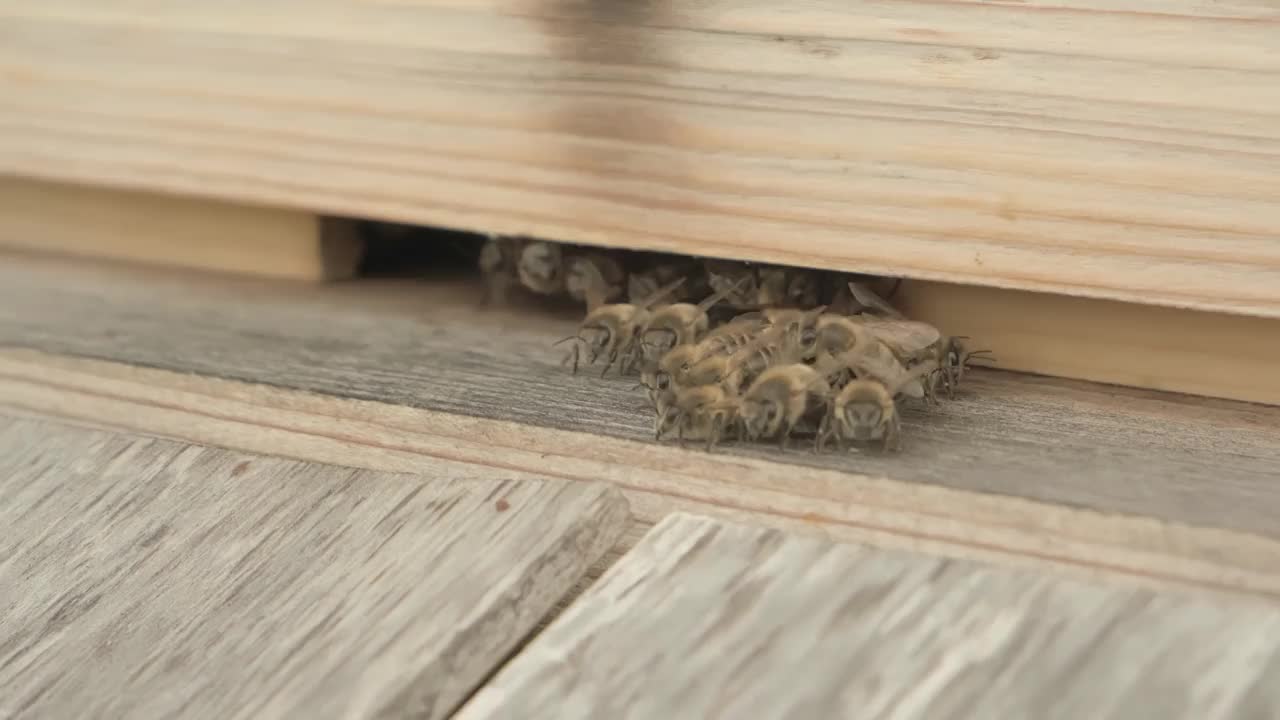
<point x="735" y="334"/>
<point x="784" y="287"/>
<point x="594" y="278"/>
<point x="779" y="399"/>
<point x="669" y="372"/>
<point x="697" y="413"/>
<point x="865" y="409"/>
<point x="680" y="323"/>
<point x="614" y="332"/>
<point x="499" y="257"/>
<point x="541" y="267"/>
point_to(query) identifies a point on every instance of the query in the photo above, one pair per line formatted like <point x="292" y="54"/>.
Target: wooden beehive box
<point x="1091" y="189"/>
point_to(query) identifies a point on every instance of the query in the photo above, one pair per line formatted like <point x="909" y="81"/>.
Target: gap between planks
<point x="655" y="479"/>
<point x="711" y="619"/>
<point x="300" y="589"/>
<point x="1126" y="152"/>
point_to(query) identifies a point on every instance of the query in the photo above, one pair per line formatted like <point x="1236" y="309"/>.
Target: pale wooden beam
<point x="1118" y="150"/>
<point x="163" y="229"/>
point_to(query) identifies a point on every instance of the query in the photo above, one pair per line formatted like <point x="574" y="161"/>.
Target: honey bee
<point x="732" y="335"/>
<point x="787" y="287"/>
<point x="614" y="331"/>
<point x="593" y="278"/>
<point x="541" y="267"/>
<point x="498" y="259"/>
<point x="779" y="399"/>
<point x="669" y="372"/>
<point x="697" y="412"/>
<point x="680" y="323"/>
<point x="866" y="409"/>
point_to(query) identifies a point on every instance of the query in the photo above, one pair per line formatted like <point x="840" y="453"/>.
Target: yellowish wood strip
<point x="174" y="231"/>
<point x="656" y="479"/>
<point x="1121" y="151"/>
<point x="1187" y="351"/>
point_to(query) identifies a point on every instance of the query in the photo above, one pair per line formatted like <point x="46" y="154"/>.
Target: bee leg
<point x="784" y="437"/>
<point x="574" y="353"/>
<point x="613" y="358"/>
<point x="717" y="426"/>
<point x="658" y="424"/>
<point x="892" y="435"/>
<point x="680" y="431"/>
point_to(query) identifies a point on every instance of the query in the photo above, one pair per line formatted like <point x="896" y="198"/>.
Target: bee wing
<point x="907" y="336"/>
<point x="882" y="365"/>
<point x="662" y="293"/>
<point x="722" y="294"/>
<point x="867" y="298"/>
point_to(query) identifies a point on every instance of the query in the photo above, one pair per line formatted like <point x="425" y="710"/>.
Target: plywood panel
<point x="1124" y="151"/>
<point x="708" y="619"/>
<point x="146" y="578"/>
<point x="175" y="231"/>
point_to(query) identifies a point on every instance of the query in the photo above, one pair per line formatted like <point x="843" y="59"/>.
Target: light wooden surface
<point x="706" y="619"/>
<point x="1094" y="479"/>
<point x="1124" y="150"/>
<point x="1211" y="354"/>
<point x="175" y="231"/>
<point x="145" y="579"/>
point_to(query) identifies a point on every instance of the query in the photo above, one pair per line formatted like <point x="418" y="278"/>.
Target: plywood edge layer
<point x="655" y="479"/>
<point x="168" y="230"/>
<point x="1158" y="348"/>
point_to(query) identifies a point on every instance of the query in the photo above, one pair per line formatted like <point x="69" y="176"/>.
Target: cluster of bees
<point x="727" y="348"/>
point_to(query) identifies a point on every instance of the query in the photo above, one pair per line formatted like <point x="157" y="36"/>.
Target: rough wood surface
<point x="1128" y="150"/>
<point x="706" y="619"/>
<point x="144" y="578"/>
<point x="408" y="377"/>
<point x="175" y="231"/>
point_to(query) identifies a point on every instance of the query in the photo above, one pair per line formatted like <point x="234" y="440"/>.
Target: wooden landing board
<point x="145" y="578"/>
<point x="175" y="231"/>
<point x="1125" y="150"/>
<point x="405" y="377"/>
<point x="706" y="619"/>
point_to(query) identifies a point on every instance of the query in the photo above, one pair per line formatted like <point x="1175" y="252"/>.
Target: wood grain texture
<point x="175" y="231"/>
<point x="707" y="619"/>
<point x="146" y="578"/>
<point x="405" y="377"/>
<point x="1177" y="350"/>
<point x="1119" y="150"/>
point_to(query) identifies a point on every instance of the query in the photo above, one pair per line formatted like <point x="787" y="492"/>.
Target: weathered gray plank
<point x="426" y="345"/>
<point x="146" y="578"/>
<point x="706" y="619"/>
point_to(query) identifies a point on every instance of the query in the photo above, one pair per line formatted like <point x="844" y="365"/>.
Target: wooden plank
<point x="147" y="578"/>
<point x="175" y="231"/>
<point x="1126" y="151"/>
<point x="407" y="376"/>
<point x="1211" y="354"/>
<point x="707" y="619"/>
